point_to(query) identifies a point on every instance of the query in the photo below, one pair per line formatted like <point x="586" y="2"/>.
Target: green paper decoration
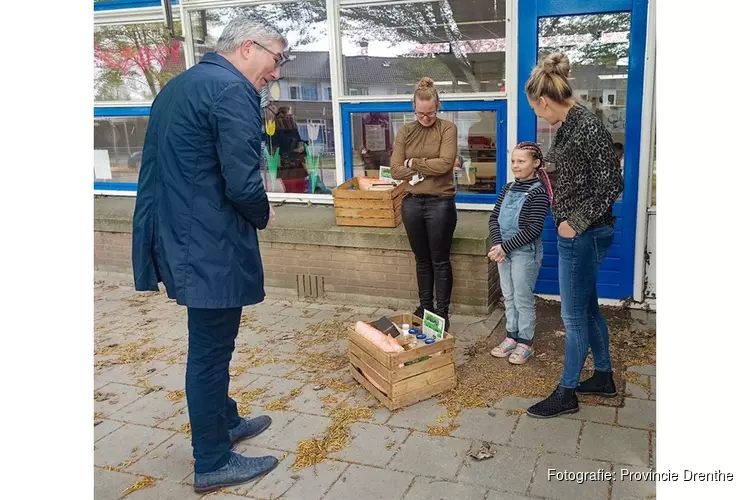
<point x="313" y="165"/>
<point x="273" y="165"/>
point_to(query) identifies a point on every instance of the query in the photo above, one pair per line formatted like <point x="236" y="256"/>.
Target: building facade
<point x="354" y="67"/>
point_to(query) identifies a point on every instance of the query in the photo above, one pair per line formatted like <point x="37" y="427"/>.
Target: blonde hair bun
<point x="426" y="91"/>
<point x="556" y="64"/>
<point x="550" y="79"/>
<point x="425" y="83"/>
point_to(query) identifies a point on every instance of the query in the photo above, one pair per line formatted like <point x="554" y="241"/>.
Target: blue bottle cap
<point x="421" y="336"/>
<point x="429" y="341"/>
<point x="413" y="331"/>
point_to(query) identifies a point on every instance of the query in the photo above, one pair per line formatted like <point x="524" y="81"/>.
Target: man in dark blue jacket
<point x="200" y="202"/>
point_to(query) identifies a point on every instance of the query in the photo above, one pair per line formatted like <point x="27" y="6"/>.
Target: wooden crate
<point x="406" y="385"/>
<point x="356" y="207"/>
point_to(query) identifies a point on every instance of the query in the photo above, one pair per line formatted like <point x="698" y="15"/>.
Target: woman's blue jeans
<point x="579" y="261"/>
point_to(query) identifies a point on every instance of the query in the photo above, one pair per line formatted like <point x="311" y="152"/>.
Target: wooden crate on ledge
<point x="367" y="208"/>
<point x="403" y="385"/>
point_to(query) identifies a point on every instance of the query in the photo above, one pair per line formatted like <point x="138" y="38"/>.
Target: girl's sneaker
<point x="504" y="349"/>
<point x="521" y="354"/>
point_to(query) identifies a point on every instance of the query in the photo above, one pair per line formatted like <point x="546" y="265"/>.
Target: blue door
<point x="606" y="43"/>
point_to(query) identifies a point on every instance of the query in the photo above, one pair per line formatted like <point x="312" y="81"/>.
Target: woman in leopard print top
<point x="589" y="178"/>
<point x="589" y="182"/>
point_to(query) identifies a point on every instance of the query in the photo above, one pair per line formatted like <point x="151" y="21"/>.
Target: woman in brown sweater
<point x="423" y="154"/>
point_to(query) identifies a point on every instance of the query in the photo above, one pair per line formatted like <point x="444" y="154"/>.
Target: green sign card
<point x="433" y="325"/>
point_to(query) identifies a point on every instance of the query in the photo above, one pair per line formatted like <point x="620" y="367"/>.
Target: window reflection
<point x="460" y="45"/>
<point x="298" y="149"/>
<point x="598" y="47"/>
<point x="133" y="62"/>
<point x="475" y="169"/>
<point x="118" y="142"/>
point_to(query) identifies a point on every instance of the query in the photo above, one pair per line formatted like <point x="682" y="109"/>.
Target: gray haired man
<point x="200" y="202"/>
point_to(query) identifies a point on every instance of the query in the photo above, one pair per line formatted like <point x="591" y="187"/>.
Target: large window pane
<point x="118" y="142"/>
<point x="133" y="62"/>
<point x="598" y="47"/>
<point x="475" y="170"/>
<point x="458" y="43"/>
<point x="303" y="93"/>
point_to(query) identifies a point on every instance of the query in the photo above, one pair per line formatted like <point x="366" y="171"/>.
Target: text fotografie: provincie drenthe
<point x="630" y="475"/>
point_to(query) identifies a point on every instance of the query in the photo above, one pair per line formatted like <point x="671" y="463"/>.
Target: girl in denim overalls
<point x="516" y="227"/>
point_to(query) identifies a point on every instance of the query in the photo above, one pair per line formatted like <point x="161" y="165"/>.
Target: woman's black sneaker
<point x="600" y="384"/>
<point x="560" y="402"/>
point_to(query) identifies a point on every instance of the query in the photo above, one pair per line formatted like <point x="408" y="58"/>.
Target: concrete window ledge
<point x="306" y="255"/>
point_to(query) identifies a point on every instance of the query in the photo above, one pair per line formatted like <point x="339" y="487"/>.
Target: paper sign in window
<point x="102" y="169"/>
<point x="375" y="137"/>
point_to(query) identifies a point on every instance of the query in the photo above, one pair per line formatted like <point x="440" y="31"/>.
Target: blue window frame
<point x="499" y="107"/>
<point x="118" y="112"/>
<point x="128" y="4"/>
<point x="114" y="111"/>
<point x="617" y="271"/>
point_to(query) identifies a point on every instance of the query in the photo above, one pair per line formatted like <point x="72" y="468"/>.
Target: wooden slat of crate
<point x="407" y="399"/>
<point x="355" y="207"/>
<point x="373" y="212"/>
<point x="370" y="372"/>
<point x="392" y="361"/>
<point x="362" y="359"/>
<point x="382" y="357"/>
<point x="422" y="381"/>
<point x="391" y="215"/>
<point x="407" y="318"/>
<point x="417" y="368"/>
<point x="405" y="379"/>
<point x="364" y="203"/>
<point x="384" y="400"/>
<point x="403" y="385"/>
<point x="343" y="192"/>
<point x="393" y="205"/>
<point x="425" y="393"/>
<point x="448" y="342"/>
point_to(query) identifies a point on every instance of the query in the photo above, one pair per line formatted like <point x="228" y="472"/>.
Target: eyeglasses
<point x="426" y="115"/>
<point x="281" y="59"/>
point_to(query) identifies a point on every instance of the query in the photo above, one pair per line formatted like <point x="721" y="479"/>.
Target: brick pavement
<point x="141" y="417"/>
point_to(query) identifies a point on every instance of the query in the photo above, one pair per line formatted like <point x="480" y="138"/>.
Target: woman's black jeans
<point x="430" y="221"/>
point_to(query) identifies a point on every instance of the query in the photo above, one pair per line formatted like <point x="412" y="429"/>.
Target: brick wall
<point x="112" y="252"/>
<point x="371" y="276"/>
<point x="387" y="274"/>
